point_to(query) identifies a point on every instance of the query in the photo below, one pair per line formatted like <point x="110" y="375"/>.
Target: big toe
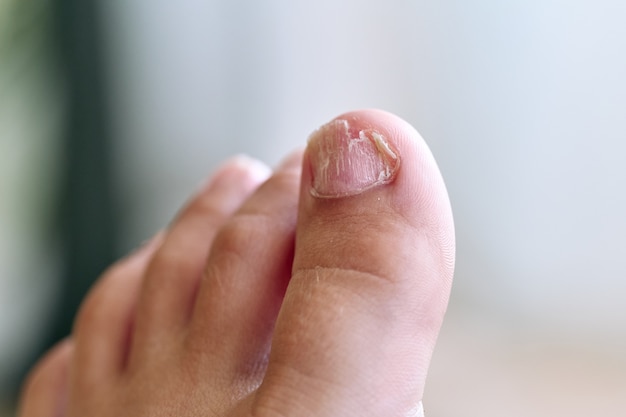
<point x="371" y="276"/>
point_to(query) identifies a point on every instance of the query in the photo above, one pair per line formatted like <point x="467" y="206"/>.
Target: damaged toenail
<point x="346" y="161"/>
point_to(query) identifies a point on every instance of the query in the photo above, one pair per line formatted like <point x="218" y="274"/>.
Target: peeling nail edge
<point x="389" y="158"/>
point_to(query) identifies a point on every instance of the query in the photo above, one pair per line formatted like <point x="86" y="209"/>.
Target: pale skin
<point x="298" y="292"/>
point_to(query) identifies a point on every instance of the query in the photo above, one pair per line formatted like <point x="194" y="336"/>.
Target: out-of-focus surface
<point x="29" y="126"/>
<point x="522" y="104"/>
<point x="485" y="368"/>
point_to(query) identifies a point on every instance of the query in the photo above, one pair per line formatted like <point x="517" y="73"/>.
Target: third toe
<point x="170" y="284"/>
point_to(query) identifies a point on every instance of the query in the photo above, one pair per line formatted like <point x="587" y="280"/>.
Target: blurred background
<point x="111" y="113"/>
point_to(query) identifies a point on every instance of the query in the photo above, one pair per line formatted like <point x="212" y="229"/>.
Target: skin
<point x="263" y="299"/>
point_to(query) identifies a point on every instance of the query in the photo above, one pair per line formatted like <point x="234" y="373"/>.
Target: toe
<point x="45" y="391"/>
<point x="371" y="275"/>
<point x="171" y="283"/>
<point x="103" y="329"/>
<point x="244" y="282"/>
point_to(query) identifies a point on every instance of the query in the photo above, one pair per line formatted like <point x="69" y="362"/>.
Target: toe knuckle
<point x="239" y="236"/>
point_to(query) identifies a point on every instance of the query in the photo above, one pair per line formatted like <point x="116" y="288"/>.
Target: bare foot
<point x="316" y="291"/>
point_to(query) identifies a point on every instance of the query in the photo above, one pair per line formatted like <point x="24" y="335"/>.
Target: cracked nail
<point x="346" y="161"/>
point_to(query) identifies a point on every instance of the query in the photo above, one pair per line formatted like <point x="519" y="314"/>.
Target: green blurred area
<point x="57" y="209"/>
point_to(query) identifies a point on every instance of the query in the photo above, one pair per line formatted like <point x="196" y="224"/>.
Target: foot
<point x="317" y="290"/>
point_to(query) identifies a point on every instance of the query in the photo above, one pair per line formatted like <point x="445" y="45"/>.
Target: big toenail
<point x="346" y="161"/>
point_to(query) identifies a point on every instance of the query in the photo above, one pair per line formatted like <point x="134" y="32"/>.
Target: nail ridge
<point x="346" y="164"/>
